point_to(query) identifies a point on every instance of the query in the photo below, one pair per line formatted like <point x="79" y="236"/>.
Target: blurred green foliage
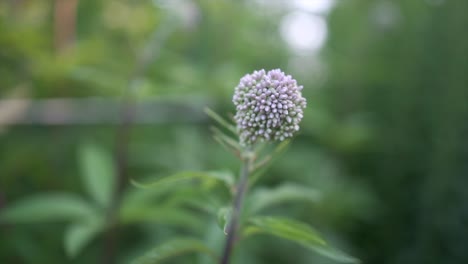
<point x="384" y="136"/>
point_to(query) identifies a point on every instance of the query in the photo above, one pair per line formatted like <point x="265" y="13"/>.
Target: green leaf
<point x="288" y="192"/>
<point x="98" y="173"/>
<point x="298" y="232"/>
<point x="224" y="216"/>
<point x="161" y="215"/>
<point x="203" y="199"/>
<point x="334" y="254"/>
<point x="288" y="229"/>
<point x="226" y="140"/>
<point x="220" y="120"/>
<point x="47" y="207"/>
<point x="172" y="249"/>
<point x="79" y="234"/>
<point x="225" y="177"/>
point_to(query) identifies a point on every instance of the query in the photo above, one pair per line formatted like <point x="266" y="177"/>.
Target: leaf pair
<point x="279" y="227"/>
<point x="229" y="143"/>
<point x="87" y="219"/>
<point x="297" y="232"/>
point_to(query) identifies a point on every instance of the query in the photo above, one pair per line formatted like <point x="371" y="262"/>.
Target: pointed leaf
<point x="220" y="120"/>
<point x="288" y="229"/>
<point x="79" y="234"/>
<point x="98" y="173"/>
<point x="288" y="192"/>
<point x="172" y="249"/>
<point x="47" y="207"/>
<point x="219" y="135"/>
<point x="334" y="254"/>
<point x="298" y="232"/>
<point x="226" y="177"/>
<point x="161" y="215"/>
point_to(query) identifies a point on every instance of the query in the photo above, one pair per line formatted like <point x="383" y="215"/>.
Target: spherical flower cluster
<point x="269" y="106"/>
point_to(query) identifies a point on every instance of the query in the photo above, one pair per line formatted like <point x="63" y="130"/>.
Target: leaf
<point x="79" y="234"/>
<point x="288" y="229"/>
<point x="226" y="177"/>
<point x="224" y="216"/>
<point x="98" y="173"/>
<point x="136" y="196"/>
<point x="220" y="120"/>
<point x="288" y="192"/>
<point x="202" y="199"/>
<point x="174" y="248"/>
<point x="47" y="207"/>
<point x="298" y="232"/>
<point x="334" y="254"/>
<point x="226" y="140"/>
<point x="161" y="215"/>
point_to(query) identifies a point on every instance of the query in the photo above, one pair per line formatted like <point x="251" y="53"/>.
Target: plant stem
<point x="147" y="56"/>
<point x="237" y="209"/>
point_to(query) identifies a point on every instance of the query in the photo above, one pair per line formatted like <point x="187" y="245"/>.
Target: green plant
<point x="88" y="217"/>
<point x="269" y="109"/>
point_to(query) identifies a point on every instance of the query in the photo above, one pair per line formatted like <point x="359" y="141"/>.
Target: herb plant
<point x="269" y="109"/>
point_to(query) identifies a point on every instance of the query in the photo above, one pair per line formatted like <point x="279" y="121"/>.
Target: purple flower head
<point x="269" y="106"/>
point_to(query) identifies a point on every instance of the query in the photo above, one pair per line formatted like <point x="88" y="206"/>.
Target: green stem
<point x="237" y="209"/>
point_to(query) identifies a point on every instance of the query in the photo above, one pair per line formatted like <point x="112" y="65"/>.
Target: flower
<point x="269" y="106"/>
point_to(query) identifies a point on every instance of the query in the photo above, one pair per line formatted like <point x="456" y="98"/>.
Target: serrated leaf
<point x="79" y="234"/>
<point x="98" y="173"/>
<point x="298" y="232"/>
<point x="224" y="216"/>
<point x="288" y="192"/>
<point x="225" y="177"/>
<point x="47" y="207"/>
<point x="172" y="249"/>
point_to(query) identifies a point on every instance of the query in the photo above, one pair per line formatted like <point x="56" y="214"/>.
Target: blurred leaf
<point x="220" y="120"/>
<point x="288" y="229"/>
<point x="224" y="176"/>
<point x="334" y="254"/>
<point x="98" y="172"/>
<point x="203" y="199"/>
<point x="79" y="234"/>
<point x="225" y="139"/>
<point x="227" y="142"/>
<point x="224" y="215"/>
<point x="298" y="232"/>
<point x="136" y="196"/>
<point x="161" y="215"/>
<point x="47" y="207"/>
<point x="172" y="249"/>
<point x="288" y="192"/>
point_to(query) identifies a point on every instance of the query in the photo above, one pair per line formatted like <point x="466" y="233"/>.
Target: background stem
<point x="236" y="211"/>
<point x="148" y="55"/>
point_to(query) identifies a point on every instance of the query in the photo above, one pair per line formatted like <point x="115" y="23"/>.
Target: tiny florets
<point x="269" y="106"/>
